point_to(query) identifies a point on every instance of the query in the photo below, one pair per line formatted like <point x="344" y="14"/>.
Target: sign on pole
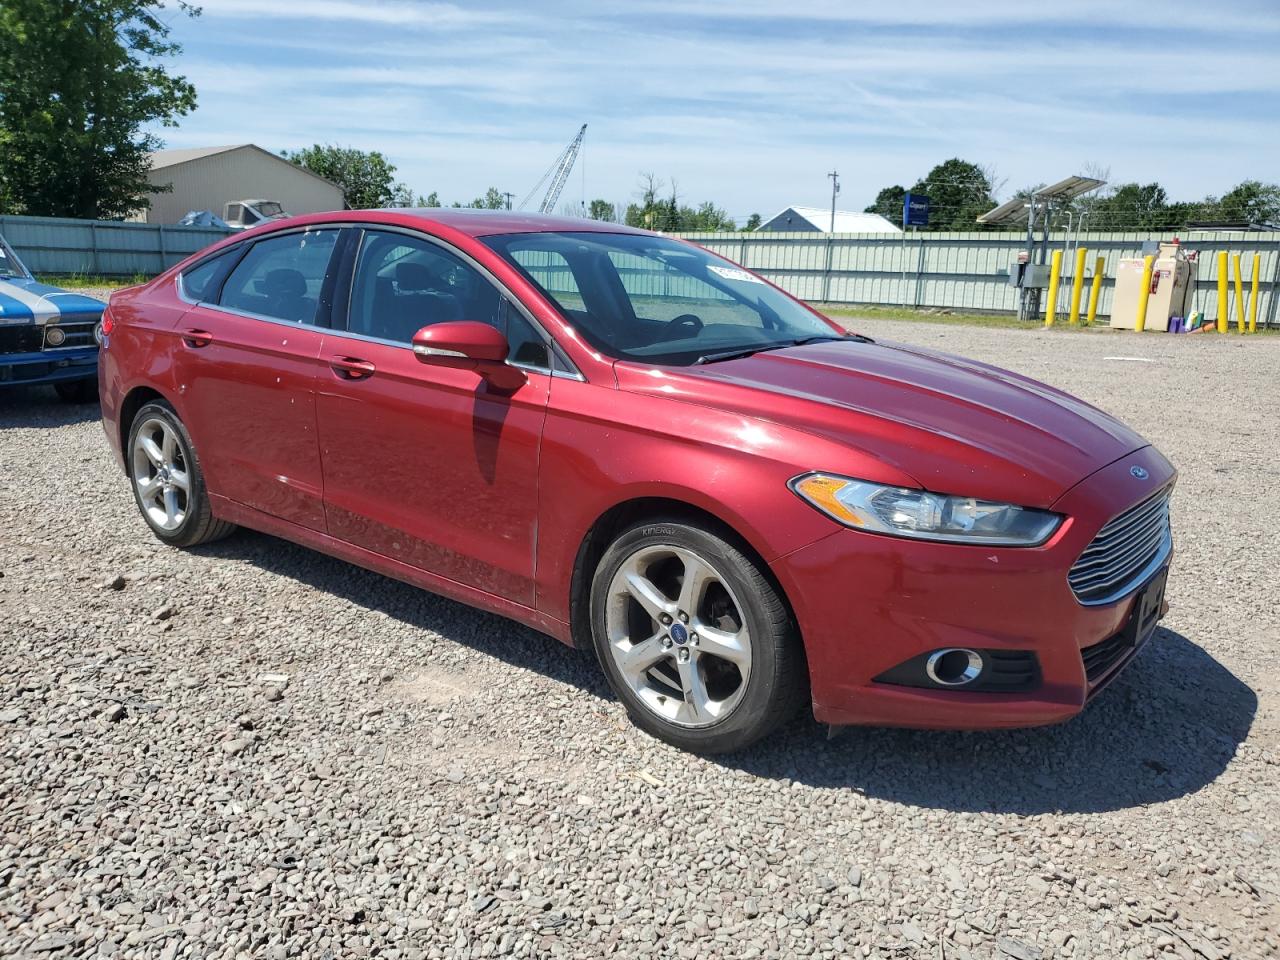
<point x="915" y="210"/>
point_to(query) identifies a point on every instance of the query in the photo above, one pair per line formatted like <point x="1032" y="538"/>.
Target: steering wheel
<point x="685" y="320"/>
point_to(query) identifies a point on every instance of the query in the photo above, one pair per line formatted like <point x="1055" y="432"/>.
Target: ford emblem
<point x="1139" y="472"/>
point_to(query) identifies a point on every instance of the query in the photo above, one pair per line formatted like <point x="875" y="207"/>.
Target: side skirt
<point x="245" y="516"/>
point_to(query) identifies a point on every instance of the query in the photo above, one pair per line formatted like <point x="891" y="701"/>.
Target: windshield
<point x="10" y="265"/>
<point x="653" y="299"/>
<point x="270" y="209"/>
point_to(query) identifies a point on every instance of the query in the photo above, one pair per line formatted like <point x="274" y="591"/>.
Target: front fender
<point x="601" y="448"/>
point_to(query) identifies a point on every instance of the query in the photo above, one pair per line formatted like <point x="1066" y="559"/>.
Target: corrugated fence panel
<point x="963" y="271"/>
<point x="102" y="247"/>
<point x="956" y="271"/>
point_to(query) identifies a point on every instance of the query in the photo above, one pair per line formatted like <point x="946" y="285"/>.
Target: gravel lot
<point x="251" y="750"/>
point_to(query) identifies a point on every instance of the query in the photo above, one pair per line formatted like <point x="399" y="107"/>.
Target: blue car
<point x="47" y="335"/>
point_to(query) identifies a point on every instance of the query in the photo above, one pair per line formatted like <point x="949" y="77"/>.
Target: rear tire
<point x="77" y="391"/>
<point x="694" y="638"/>
<point x="167" y="480"/>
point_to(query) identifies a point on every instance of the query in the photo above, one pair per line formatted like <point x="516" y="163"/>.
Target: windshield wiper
<point x="749" y="351"/>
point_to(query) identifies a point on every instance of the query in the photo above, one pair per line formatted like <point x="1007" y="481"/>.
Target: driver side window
<point x="403" y="283"/>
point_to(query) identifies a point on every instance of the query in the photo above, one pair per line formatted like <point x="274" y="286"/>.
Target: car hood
<point x="955" y="425"/>
<point x="28" y="301"/>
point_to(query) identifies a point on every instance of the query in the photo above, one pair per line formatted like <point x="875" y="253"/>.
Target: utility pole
<point x="835" y="188"/>
<point x="508" y="196"/>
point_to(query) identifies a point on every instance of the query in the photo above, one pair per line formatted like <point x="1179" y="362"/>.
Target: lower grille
<point x="1121" y="554"/>
<point x="79" y="334"/>
<point x="1101" y="657"/>
<point x="26" y="338"/>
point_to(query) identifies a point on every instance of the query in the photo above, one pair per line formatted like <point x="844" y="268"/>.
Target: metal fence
<point x="961" y="271"/>
<point x="102" y="247"/>
<point x="955" y="271"/>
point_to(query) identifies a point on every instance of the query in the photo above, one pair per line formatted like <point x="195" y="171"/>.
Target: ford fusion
<point x="631" y="444"/>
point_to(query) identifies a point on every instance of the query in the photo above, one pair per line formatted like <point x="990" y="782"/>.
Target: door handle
<point x="352" y="368"/>
<point x="197" y="338"/>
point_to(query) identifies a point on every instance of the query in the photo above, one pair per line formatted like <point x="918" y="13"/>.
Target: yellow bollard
<point x="1253" y="293"/>
<point x="1239" y="293"/>
<point x="1141" y="323"/>
<point x="1055" y="275"/>
<point x="1077" y="286"/>
<point x="1222" y="292"/>
<point x="1098" y="267"/>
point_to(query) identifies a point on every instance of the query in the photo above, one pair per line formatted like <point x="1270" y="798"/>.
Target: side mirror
<point x="460" y="343"/>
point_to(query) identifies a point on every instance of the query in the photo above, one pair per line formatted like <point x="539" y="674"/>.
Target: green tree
<point x="602" y="210"/>
<point x="753" y="223"/>
<point x="708" y="218"/>
<point x="888" y="203"/>
<point x="367" y="179"/>
<point x="649" y="211"/>
<point x="1135" y="206"/>
<point x="79" y="79"/>
<point x="958" y="191"/>
<point x="432" y="200"/>
<point x="1252" y="201"/>
<point x="492" y="200"/>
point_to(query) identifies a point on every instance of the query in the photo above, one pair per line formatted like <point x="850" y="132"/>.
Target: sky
<point x="747" y="103"/>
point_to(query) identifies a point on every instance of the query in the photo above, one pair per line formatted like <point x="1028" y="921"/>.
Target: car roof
<point x="473" y="223"/>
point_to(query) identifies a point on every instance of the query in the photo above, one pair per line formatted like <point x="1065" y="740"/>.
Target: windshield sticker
<point x="730" y="273"/>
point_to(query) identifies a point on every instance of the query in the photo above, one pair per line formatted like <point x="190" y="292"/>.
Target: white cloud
<point x="398" y="13"/>
<point x="739" y="103"/>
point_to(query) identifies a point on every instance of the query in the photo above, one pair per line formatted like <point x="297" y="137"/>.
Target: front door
<point x="428" y="465"/>
<point x="248" y="360"/>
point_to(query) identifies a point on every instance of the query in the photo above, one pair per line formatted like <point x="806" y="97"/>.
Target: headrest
<point x="285" y="283"/>
<point x="414" y="276"/>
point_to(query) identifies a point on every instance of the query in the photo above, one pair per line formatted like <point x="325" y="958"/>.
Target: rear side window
<point x="200" y="283"/>
<point x="282" y="277"/>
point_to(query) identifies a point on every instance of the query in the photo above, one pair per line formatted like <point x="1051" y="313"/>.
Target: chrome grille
<point x="1124" y="552"/>
<point x="79" y="334"/>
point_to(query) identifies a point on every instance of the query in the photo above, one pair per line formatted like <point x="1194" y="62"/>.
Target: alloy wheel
<point x="160" y="474"/>
<point x="678" y="635"/>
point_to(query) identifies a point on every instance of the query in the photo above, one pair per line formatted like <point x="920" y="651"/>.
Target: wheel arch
<point x="133" y="401"/>
<point x="604" y="530"/>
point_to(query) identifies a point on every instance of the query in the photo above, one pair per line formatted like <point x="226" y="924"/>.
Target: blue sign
<point x="915" y="210"/>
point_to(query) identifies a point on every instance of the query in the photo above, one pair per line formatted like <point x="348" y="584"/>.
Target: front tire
<point x="168" y="483"/>
<point x="694" y="638"/>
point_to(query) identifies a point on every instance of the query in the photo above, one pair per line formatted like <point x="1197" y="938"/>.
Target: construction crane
<point x="558" y="173"/>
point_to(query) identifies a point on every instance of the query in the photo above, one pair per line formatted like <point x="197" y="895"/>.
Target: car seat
<point x="286" y="293"/>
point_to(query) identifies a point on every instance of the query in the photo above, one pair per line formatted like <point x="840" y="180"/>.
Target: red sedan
<point x="638" y="447"/>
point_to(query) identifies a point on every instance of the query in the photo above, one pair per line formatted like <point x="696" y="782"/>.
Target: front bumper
<point x="865" y="603"/>
<point x="49" y="366"/>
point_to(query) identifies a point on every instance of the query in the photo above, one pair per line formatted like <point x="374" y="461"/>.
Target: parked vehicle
<point x="243" y="214"/>
<point x="638" y="447"/>
<point x="47" y="335"/>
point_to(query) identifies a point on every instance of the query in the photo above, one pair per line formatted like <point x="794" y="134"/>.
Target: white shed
<point x="208" y="178"/>
<point x="818" y="220"/>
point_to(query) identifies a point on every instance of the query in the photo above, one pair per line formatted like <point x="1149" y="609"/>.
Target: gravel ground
<point x="251" y="750"/>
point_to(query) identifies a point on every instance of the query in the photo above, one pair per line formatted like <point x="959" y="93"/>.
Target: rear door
<point x="429" y="465"/>
<point x="248" y="360"/>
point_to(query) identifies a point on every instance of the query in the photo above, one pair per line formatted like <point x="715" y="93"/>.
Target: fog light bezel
<point x="974" y="665"/>
<point x="1003" y="671"/>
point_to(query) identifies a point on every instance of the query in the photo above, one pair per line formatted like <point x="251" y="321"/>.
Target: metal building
<point x="208" y="178"/>
<point x="818" y="220"/>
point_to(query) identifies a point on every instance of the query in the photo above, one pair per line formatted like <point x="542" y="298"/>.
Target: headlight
<point x="921" y="515"/>
<point x="54" y="337"/>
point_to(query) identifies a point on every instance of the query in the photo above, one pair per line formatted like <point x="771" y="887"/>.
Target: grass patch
<point x="1000" y="320"/>
<point x="81" y="281"/>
